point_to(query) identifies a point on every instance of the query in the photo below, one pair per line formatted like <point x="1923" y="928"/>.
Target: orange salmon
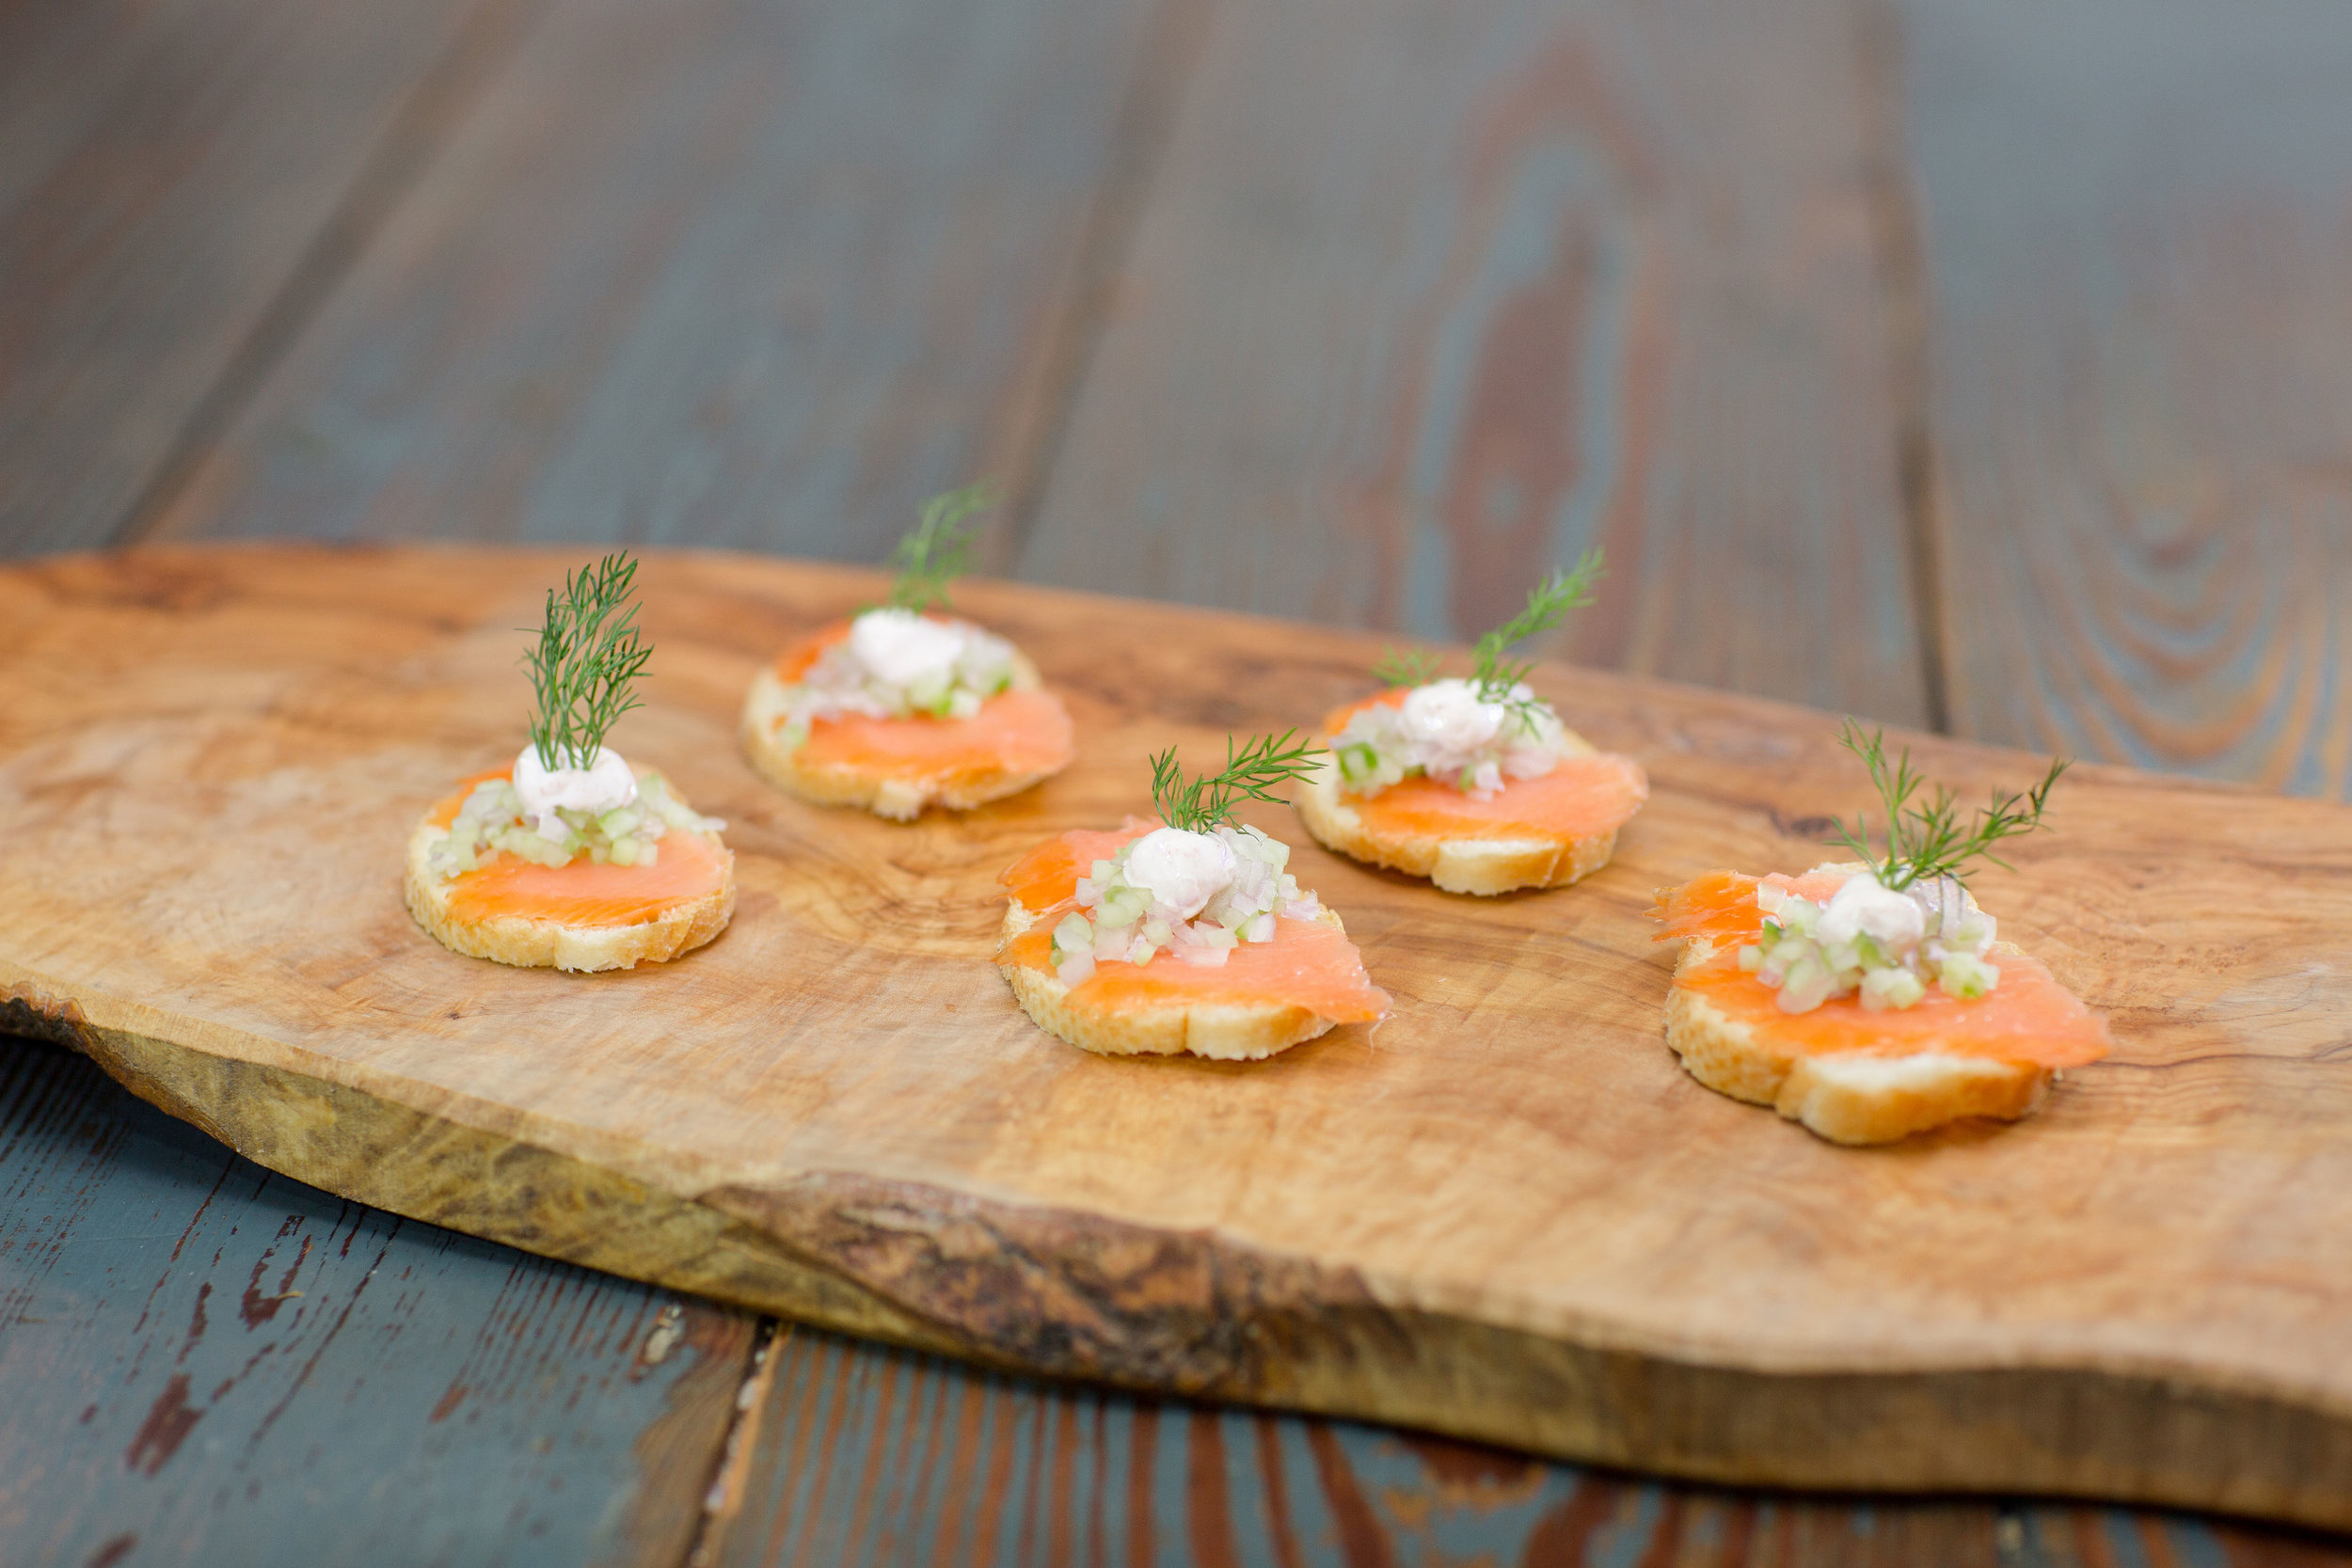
<point x="581" y="894"/>
<point x="2028" y="1018"/>
<point x="1015" y="732"/>
<point x="1581" y="798"/>
<point x="1308" y="964"/>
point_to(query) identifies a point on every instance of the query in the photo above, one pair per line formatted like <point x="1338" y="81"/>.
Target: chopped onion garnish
<point x="1117" y="921"/>
<point x="1446" y="730"/>
<point x="897" y="664"/>
<point x="1886" y="945"/>
<point x="491" y="821"/>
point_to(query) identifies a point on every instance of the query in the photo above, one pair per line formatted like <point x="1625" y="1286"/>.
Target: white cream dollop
<point x="605" y="784"/>
<point x="1448" y="716"/>
<point x="1864" y="908"/>
<point x="1183" y="870"/>
<point x="906" y="649"/>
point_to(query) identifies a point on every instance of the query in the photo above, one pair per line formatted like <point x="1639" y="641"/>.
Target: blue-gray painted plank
<point x="1432" y="295"/>
<point x="167" y="167"/>
<point x="754" y="273"/>
<point x="204" y="1363"/>
<point x="2134" y="222"/>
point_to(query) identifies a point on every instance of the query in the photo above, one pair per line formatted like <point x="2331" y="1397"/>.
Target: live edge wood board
<point x="1504" y="1213"/>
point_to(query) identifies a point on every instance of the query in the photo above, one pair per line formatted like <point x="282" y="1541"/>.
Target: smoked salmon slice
<point x="1583" y="797"/>
<point x="581" y="894"/>
<point x="1014" y="732"/>
<point x="898" y="766"/>
<point x="1543" y="830"/>
<point x="1308" y="964"/>
<point x="2027" y="1019"/>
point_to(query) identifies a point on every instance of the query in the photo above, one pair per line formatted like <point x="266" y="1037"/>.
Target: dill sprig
<point x="1413" y="667"/>
<point x="1251" y="773"/>
<point x="1928" y="840"/>
<point x="588" y="656"/>
<point x="1547" y="605"/>
<point x="931" y="557"/>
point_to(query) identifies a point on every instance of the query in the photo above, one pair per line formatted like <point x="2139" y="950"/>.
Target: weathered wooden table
<point x="1984" y="366"/>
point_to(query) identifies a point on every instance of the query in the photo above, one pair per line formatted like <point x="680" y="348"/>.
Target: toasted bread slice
<point x="894" y="795"/>
<point x="1458" y="864"/>
<point x="533" y="943"/>
<point x="1223" y="1031"/>
<point x="1850" y="1097"/>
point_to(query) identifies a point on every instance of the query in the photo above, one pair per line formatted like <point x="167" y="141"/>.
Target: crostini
<point x="1474" y="784"/>
<point x="568" y="857"/>
<point x="1185" y="934"/>
<point x="1869" y="1000"/>
<point x="905" y="707"/>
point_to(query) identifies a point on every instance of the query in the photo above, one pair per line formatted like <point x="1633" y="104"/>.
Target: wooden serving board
<point x="1505" y="1214"/>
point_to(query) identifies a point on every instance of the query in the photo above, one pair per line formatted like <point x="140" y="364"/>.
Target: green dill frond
<point x="1413" y="667"/>
<point x="587" y="661"/>
<point x="931" y="557"/>
<point x="1547" y="605"/>
<point x="1928" y="840"/>
<point x="1251" y="773"/>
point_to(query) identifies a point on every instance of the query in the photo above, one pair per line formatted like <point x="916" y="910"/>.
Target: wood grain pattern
<point x="1540" y="1233"/>
<point x="711" y="271"/>
<point x="204" y="1362"/>
<point x="1430" y="296"/>
<point x="885" y="1458"/>
<point x="167" y="173"/>
<point x="2143" y="376"/>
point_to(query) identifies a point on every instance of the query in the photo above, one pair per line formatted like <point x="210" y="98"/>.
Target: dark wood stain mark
<point x="257" y="1308"/>
<point x="1738" y="1530"/>
<point x="1208" y="1497"/>
<point x="113" y="1551"/>
<point x="197" y="1218"/>
<point x="168" y="1422"/>
<point x="447" y="1404"/>
<point x="1061" y="1497"/>
<point x="195" y="1324"/>
<point x="1008" y="1409"/>
<point x="971" y="1396"/>
<point x="1035" y="1445"/>
<point x="1362" y="1542"/>
<point x="310" y="1366"/>
<point x="1098" y="1540"/>
<point x="1560" y="1537"/>
<point x="1280" y="1533"/>
<point x="883" y="1423"/>
<point x="927" y="1404"/>
<point x="1142" y="1463"/>
<point x="1469" y="1466"/>
<point x="1664" y="1546"/>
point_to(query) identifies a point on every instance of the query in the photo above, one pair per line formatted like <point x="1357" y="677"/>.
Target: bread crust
<point x="898" y="799"/>
<point x="532" y="943"/>
<point x="1222" y="1032"/>
<point x="1852" y="1097"/>
<point x="1484" y="866"/>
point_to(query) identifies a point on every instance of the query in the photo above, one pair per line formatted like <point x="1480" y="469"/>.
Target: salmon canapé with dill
<point x="568" y="857"/>
<point x="1871" y="1000"/>
<point x="1188" y="934"/>
<point x="1474" y="784"/>
<point x="904" y="705"/>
